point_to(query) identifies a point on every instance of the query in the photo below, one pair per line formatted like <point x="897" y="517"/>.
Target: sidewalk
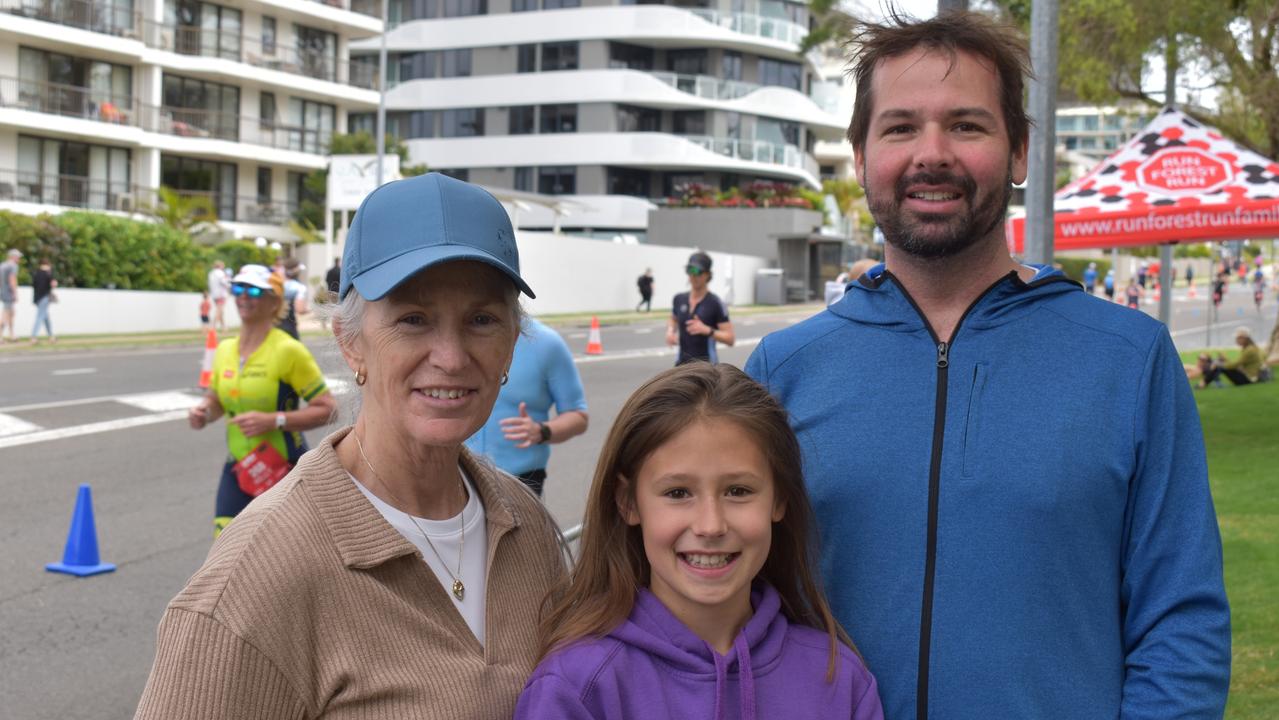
<point x="311" y="328"/>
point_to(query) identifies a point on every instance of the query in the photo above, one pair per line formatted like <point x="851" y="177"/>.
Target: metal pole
<point x="1043" y="136"/>
<point x="381" y="94"/>
<point x="1165" y="250"/>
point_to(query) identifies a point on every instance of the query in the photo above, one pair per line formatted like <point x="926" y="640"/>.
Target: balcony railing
<point x="756" y="151"/>
<point x="68" y="101"/>
<point x="372" y="8"/>
<point x="67" y="191"/>
<point x="241" y="208"/>
<point x="210" y="124"/>
<point x="95" y="16"/>
<point x="750" y="24"/>
<point x="707" y="86"/>
<point x="271" y="55"/>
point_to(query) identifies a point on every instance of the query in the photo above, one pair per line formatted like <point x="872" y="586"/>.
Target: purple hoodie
<point x="653" y="666"/>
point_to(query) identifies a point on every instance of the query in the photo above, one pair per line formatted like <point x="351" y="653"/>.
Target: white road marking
<point x="576" y="336"/>
<point x="649" y="352"/>
<point x="643" y="331"/>
<point x="160" y="401"/>
<point x="75" y="371"/>
<point x="91" y="428"/>
<point x="10" y="425"/>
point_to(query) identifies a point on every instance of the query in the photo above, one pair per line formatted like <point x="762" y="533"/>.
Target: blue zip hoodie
<point x="1015" y="523"/>
<point x="653" y="666"/>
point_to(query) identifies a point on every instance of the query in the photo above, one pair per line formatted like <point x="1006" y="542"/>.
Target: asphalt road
<point x="81" y="648"/>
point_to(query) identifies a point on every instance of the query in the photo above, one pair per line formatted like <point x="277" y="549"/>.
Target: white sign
<point x="351" y="177"/>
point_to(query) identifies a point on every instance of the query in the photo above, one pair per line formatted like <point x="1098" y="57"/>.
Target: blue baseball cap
<point x="409" y="225"/>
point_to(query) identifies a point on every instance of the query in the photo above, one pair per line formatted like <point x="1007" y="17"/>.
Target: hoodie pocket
<point x="972" y="421"/>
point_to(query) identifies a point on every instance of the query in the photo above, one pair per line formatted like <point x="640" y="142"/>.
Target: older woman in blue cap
<point x="391" y="574"/>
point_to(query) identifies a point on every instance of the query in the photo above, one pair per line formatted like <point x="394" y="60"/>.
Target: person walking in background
<point x="1190" y="274"/>
<point x="43" y="285"/>
<point x="1090" y="278"/>
<point x="333" y="277"/>
<point x="698" y="317"/>
<point x="219" y="287"/>
<point x="645" y="284"/>
<point x="1000" y="553"/>
<point x="1133" y="294"/>
<point x="520" y="430"/>
<point x="694" y="592"/>
<point x="206" y="307"/>
<point x="1142" y="270"/>
<point x="295" y="297"/>
<point x="1108" y="285"/>
<point x="9" y="293"/>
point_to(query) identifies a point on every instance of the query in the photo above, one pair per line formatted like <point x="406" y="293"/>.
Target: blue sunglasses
<point x="252" y="291"/>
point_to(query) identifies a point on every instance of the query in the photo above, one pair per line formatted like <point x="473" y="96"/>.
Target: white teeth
<point x="449" y="394"/>
<point x="707" y="561"/>
<point x="934" y="196"/>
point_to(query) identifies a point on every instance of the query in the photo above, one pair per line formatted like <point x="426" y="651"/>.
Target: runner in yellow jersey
<point x="259" y="380"/>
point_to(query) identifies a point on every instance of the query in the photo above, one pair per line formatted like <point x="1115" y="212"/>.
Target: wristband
<point x="279" y="421"/>
<point x="546" y="432"/>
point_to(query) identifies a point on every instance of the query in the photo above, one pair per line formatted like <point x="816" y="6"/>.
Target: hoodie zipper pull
<point x="943" y="359"/>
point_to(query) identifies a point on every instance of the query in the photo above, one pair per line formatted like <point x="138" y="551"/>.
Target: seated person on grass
<point x="1242" y="370"/>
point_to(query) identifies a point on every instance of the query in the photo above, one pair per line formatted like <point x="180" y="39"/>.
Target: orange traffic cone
<point x="1156" y="292"/>
<point x="1192" y="291"/>
<point x="206" y="367"/>
<point x="593" y="344"/>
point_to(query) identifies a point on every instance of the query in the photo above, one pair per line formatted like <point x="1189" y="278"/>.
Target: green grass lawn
<point x="1241" y="431"/>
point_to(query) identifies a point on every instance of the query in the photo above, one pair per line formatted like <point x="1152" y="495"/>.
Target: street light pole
<point x="381" y="94"/>
<point x="1165" y="250"/>
<point x="1041" y="182"/>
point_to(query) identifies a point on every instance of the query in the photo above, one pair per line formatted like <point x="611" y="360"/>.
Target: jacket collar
<point x="363" y="538"/>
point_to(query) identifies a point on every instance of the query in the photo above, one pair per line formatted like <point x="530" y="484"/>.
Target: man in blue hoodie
<point x="1008" y="474"/>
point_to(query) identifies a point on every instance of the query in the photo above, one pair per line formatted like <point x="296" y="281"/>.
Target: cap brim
<point x="375" y="282"/>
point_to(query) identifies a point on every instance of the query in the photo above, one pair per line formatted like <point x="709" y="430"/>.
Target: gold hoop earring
<point x="361" y="377"/>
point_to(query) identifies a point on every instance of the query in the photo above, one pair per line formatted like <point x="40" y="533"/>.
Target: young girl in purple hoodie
<point x="694" y="596"/>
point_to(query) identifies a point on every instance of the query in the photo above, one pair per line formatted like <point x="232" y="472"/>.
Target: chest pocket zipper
<point x="972" y="421"/>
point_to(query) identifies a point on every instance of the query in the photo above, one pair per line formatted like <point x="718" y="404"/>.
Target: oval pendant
<point x="458" y="589"/>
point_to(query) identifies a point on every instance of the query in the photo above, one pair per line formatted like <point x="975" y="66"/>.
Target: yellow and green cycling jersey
<point x="273" y="379"/>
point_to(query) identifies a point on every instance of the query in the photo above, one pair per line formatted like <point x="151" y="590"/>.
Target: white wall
<point x="91" y="312"/>
<point x="573" y="274"/>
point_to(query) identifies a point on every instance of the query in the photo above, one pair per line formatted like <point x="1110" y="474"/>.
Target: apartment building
<point x="604" y="99"/>
<point x="102" y="102"/>
<point x="1097" y="131"/>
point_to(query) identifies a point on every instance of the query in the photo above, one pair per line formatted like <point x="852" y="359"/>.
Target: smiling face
<point x="936" y="163"/>
<point x="435" y="350"/>
<point x="705" y="504"/>
<point x="258" y="309"/>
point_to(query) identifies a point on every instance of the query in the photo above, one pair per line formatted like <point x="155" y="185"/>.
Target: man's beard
<point x="934" y="236"/>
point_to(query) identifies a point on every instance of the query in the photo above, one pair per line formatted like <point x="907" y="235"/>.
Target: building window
<point x="317" y="52"/>
<point x="72" y="174"/>
<point x="523" y="5"/>
<point x="784" y="74"/>
<point x="730" y="65"/>
<point x="268" y="35"/>
<point x="557" y="180"/>
<point x="675" y="183"/>
<point x="402" y="11"/>
<point x="463" y="8"/>
<point x="463" y="174"/>
<point x="638" y="119"/>
<point x="526" y="59"/>
<point x="524" y="179"/>
<point x="521" y="117"/>
<point x="264" y="186"/>
<point x="204" y="29"/>
<point x="686" y="62"/>
<point x="464" y="122"/>
<point x="266" y="109"/>
<point x="361" y="122"/>
<point x="421" y="124"/>
<point x="311" y="125"/>
<point x="403" y="67"/>
<point x="556" y="4"/>
<point x="559" y="119"/>
<point x="196" y="108"/>
<point x="202" y="178"/>
<point x="628" y="181"/>
<point x="455" y="63"/>
<point x="1091" y="123"/>
<point x="559" y="56"/>
<point x="630" y="57"/>
<point x="689" y="122"/>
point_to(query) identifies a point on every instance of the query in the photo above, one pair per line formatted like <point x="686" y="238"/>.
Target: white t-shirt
<point x="445" y="536"/>
<point x="218" y="284"/>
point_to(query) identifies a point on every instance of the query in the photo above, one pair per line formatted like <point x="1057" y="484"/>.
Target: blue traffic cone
<point x="81" y="556"/>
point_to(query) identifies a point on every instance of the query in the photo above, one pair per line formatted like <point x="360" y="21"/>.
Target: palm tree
<point x="190" y="214"/>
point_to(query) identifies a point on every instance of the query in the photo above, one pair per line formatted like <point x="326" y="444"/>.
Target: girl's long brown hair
<point x="612" y="565"/>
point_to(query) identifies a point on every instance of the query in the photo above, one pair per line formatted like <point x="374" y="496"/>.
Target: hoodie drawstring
<point x="721" y="677"/>
<point x="745" y="678"/>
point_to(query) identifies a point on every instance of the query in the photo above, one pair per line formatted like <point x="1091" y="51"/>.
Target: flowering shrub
<point x="759" y="194"/>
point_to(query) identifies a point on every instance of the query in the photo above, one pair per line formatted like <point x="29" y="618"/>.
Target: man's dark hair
<point x="948" y="34"/>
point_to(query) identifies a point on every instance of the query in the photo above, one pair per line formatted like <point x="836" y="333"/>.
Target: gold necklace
<point x="459" y="590"/>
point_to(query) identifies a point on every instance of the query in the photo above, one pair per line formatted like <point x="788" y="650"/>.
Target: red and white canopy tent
<point x="1176" y="181"/>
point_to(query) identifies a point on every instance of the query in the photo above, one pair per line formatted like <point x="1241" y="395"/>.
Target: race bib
<point x="262" y="468"/>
